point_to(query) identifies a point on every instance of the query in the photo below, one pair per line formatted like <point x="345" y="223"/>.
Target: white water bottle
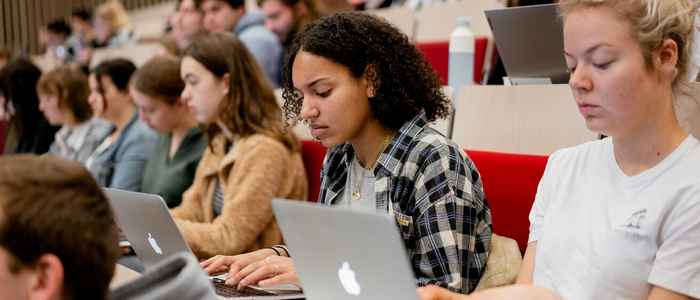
<point x="461" y="64"/>
<point x="461" y="61"/>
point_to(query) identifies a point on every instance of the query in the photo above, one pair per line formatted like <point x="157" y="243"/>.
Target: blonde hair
<point x="653" y="21"/>
<point x="114" y="13"/>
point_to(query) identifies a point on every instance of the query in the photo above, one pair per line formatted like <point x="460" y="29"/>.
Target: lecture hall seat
<point x="510" y="184"/>
<point x="437" y="54"/>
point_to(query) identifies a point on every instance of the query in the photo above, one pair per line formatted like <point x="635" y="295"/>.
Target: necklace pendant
<point x="356" y="195"/>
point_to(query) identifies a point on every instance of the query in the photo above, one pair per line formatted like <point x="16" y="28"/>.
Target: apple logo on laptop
<point x="154" y="245"/>
<point x="348" y="280"/>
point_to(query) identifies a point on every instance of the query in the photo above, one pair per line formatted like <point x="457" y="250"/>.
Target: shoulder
<point x="589" y="154"/>
<point x="260" y="145"/>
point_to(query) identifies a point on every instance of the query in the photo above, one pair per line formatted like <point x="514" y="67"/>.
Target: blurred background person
<point x="156" y="89"/>
<point x="111" y="23"/>
<point x="249" y="27"/>
<point x="28" y="131"/>
<point x="186" y="22"/>
<point x="119" y="161"/>
<point x="286" y="17"/>
<point x="63" y="98"/>
<point x="83" y="38"/>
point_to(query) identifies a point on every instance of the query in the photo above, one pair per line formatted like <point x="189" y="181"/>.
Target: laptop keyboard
<point x="230" y="291"/>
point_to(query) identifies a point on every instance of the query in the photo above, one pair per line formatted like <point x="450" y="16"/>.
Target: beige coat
<point x="257" y="169"/>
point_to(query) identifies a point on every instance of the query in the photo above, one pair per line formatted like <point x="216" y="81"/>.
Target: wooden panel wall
<point x="21" y="19"/>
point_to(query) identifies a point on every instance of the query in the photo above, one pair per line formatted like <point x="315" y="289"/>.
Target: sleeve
<point x="128" y="169"/>
<point x="542" y="199"/>
<point x="267" y="51"/>
<point x="677" y="263"/>
<point x="453" y="229"/>
<point x="247" y="211"/>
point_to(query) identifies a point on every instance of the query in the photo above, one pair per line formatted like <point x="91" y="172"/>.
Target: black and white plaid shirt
<point x="437" y="199"/>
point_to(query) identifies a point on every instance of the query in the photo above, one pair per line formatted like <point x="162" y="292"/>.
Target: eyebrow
<point x="188" y="76"/>
<point x="591" y="49"/>
<point x="316" y="81"/>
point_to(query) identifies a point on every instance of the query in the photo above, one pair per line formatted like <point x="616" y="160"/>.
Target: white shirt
<point x="604" y="235"/>
<point x="694" y="66"/>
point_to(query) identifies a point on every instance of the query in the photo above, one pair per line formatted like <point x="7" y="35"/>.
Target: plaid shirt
<point x="437" y="199"/>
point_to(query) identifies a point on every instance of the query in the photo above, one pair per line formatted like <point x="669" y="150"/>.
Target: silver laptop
<point x="530" y="41"/>
<point x="345" y="254"/>
<point x="149" y="227"/>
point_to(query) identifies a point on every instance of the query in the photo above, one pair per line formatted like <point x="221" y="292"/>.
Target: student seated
<point x="249" y="27"/>
<point x="28" y="131"/>
<point x="368" y="95"/>
<point x="617" y="218"/>
<point x="251" y="157"/>
<point x="186" y="22"/>
<point x="63" y="98"/>
<point x="156" y="88"/>
<point x="58" y="238"/>
<point x="119" y="161"/>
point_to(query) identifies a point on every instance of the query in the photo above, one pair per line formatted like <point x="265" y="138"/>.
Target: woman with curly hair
<point x="368" y="95"/>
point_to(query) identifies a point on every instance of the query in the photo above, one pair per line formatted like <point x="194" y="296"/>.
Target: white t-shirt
<point x="694" y="66"/>
<point x="604" y="235"/>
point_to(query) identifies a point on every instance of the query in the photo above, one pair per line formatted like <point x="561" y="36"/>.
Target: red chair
<point x="510" y="184"/>
<point x="312" y="153"/>
<point x="3" y="135"/>
<point x="437" y="54"/>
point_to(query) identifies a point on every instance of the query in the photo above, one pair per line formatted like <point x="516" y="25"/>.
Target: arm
<point x="528" y="266"/>
<point x="659" y="293"/>
<point x="247" y="211"/>
<point x="453" y="229"/>
<point x="131" y="161"/>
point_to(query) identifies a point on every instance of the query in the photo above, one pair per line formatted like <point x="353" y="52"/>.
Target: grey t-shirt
<point x="359" y="189"/>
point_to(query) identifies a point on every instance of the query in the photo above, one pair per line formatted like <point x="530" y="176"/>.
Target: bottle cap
<point x="464" y="21"/>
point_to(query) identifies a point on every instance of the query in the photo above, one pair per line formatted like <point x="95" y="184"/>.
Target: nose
<point x="186" y="95"/>
<point x="580" y="80"/>
<point x="309" y="109"/>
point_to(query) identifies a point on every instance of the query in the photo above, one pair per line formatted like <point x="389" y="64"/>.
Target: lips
<point x="586" y="108"/>
<point x="318" y="131"/>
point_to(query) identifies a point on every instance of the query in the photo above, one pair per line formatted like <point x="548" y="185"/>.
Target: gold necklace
<point x="357" y="185"/>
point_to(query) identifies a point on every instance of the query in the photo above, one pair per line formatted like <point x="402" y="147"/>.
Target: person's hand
<point x="432" y="292"/>
<point x="233" y="264"/>
<point x="273" y="270"/>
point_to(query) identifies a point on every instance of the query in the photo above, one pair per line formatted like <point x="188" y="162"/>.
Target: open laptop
<point x="530" y="41"/>
<point x="345" y="254"/>
<point x="149" y="227"/>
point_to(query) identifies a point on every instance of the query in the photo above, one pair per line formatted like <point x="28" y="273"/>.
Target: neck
<point x="370" y="142"/>
<point x="643" y="148"/>
<point x="227" y="132"/>
<point x="121" y="117"/>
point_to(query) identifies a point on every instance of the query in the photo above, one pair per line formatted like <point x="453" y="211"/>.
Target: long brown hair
<point x="250" y="107"/>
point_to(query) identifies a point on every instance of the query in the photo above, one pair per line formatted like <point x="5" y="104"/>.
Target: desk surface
<point x="122" y="275"/>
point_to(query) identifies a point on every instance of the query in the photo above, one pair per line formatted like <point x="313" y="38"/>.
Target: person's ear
<point x="225" y="83"/>
<point x="48" y="278"/>
<point x="665" y="59"/>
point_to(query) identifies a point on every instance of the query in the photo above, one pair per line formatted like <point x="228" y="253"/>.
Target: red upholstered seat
<point x="3" y="133"/>
<point x="313" y="153"/>
<point x="510" y="184"/>
<point x="437" y="54"/>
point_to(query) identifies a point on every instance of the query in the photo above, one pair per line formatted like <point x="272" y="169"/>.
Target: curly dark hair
<point x="405" y="82"/>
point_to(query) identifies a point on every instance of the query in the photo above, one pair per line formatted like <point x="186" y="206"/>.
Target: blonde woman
<point x="618" y="218"/>
<point x="112" y="24"/>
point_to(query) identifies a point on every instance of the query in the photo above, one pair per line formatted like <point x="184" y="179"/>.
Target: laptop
<point x="530" y="41"/>
<point x="345" y="254"/>
<point x="152" y="233"/>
